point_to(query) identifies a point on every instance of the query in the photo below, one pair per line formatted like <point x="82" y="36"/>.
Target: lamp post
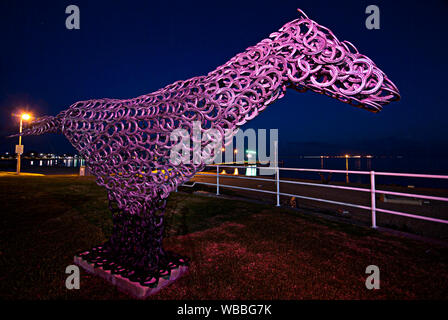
<point x="19" y="147"/>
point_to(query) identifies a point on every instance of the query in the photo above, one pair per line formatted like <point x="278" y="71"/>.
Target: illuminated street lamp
<point x="251" y="155"/>
<point x="19" y="147"/>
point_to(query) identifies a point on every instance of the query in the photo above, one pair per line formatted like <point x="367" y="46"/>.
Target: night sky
<point x="128" y="48"/>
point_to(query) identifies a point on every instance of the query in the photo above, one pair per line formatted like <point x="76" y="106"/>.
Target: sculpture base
<point x="134" y="289"/>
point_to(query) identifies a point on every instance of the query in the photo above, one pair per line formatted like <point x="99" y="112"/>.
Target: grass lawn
<point x="239" y="250"/>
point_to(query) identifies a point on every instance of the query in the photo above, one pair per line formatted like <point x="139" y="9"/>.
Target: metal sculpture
<point x="126" y="143"/>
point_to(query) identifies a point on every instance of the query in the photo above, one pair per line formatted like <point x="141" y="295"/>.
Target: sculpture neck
<point x="248" y="82"/>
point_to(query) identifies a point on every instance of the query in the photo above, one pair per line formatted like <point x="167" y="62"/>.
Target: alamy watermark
<point x="72" y="281"/>
<point x="73" y="20"/>
<point x="373" y="20"/>
<point x="212" y="146"/>
<point x="373" y="280"/>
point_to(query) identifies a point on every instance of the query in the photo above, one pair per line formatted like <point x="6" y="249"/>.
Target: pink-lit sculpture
<point x="126" y="143"/>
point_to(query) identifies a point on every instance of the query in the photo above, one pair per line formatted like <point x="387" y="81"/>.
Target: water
<point x="426" y="165"/>
<point x="44" y="166"/>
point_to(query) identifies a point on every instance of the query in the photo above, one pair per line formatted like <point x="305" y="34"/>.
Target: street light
<point x="251" y="155"/>
<point x="19" y="147"/>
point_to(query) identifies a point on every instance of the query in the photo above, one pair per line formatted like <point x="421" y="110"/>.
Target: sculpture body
<point x="126" y="143"/>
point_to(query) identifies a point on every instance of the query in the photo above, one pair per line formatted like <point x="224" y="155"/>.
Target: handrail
<point x="411" y="195"/>
<point x="378" y="173"/>
<point x="372" y="190"/>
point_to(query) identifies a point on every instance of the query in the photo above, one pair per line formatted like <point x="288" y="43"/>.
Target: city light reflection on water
<point x="69" y="163"/>
<point x="424" y="165"/>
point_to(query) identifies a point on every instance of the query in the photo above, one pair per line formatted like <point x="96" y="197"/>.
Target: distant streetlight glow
<point x="26" y="116"/>
<point x="251" y="153"/>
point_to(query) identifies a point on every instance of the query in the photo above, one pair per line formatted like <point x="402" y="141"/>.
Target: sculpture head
<point x="318" y="61"/>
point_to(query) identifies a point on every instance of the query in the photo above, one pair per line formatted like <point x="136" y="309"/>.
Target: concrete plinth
<point x="134" y="289"/>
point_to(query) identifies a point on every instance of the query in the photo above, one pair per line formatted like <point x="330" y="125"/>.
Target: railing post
<point x="217" y="180"/>
<point x="277" y="172"/>
<point x="373" y="198"/>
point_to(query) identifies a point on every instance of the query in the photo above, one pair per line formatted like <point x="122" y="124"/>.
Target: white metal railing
<point x="372" y="190"/>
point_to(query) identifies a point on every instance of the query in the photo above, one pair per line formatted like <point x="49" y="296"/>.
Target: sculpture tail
<point x="47" y="124"/>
